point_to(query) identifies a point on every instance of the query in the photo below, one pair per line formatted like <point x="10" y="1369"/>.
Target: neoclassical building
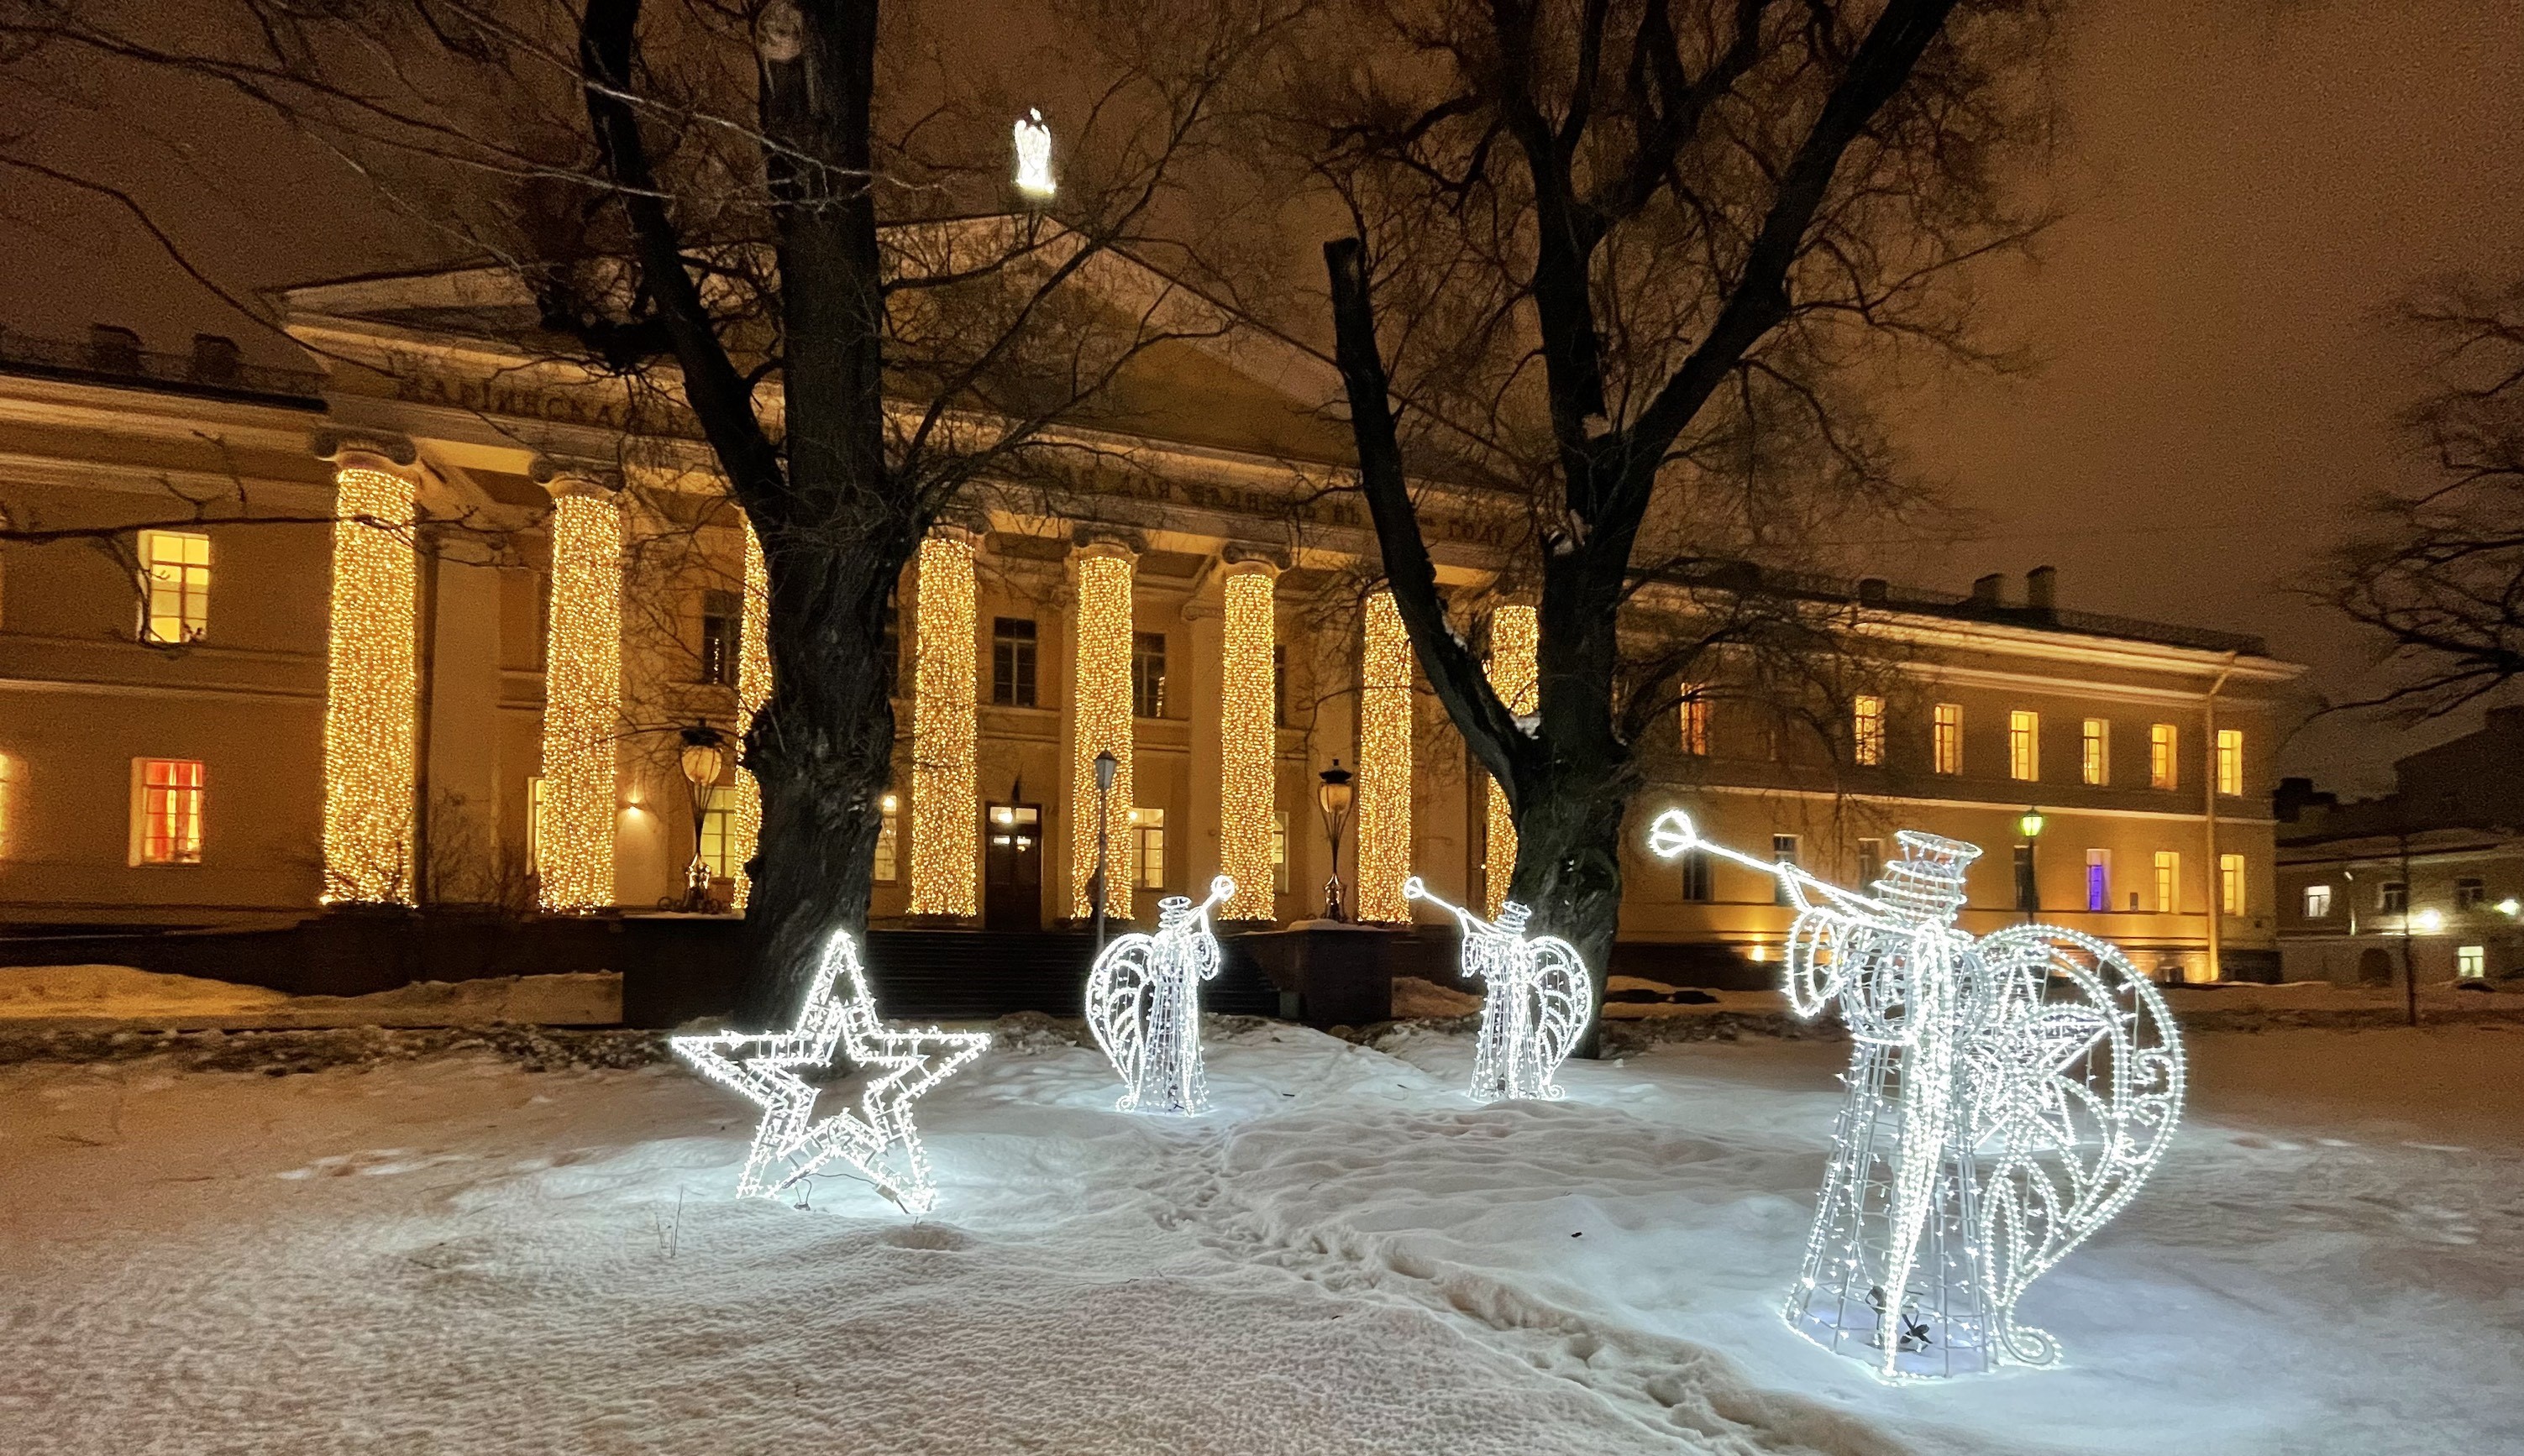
<point x="212" y="721"/>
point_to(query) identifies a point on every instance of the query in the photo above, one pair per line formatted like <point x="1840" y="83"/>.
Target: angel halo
<point x="1143" y="1006"/>
<point x="2008" y="1096"/>
<point x="1539" y="999"/>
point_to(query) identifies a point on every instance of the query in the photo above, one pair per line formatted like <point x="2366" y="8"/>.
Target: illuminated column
<point x="752" y="690"/>
<point x="1100" y="708"/>
<point x="1383" y="763"/>
<point x="372" y="682"/>
<point x="1247" y="737"/>
<point x="1515" y="633"/>
<point x="945" y="815"/>
<point x="582" y="700"/>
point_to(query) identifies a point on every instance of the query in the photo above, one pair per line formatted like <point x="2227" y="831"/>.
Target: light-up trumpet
<point x="2007" y="1096"/>
<point x="1539" y="1004"/>
<point x="1143" y="1006"/>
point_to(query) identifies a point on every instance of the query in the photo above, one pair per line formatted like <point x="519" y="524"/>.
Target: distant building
<point x="2432" y="871"/>
<point x="184" y="741"/>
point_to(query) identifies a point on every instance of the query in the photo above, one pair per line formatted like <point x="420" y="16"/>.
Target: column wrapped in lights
<point x="1383" y="763"/>
<point x="1516" y="632"/>
<point x="371" y="687"/>
<point x="582" y="702"/>
<point x="752" y="690"/>
<point x="1099" y="708"/>
<point x="946" y="818"/>
<point x="1247" y="739"/>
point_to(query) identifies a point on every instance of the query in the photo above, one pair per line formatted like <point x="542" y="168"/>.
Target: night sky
<point x="2250" y="181"/>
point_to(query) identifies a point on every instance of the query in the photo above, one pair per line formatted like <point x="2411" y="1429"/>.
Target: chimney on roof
<point x="113" y="350"/>
<point x="1985" y="589"/>
<point x="215" y="358"/>
<point x="2042" y="588"/>
<point x="1874" y="591"/>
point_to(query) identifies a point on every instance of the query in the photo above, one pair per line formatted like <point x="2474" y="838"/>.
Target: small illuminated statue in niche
<point x="2008" y="1096"/>
<point x="838" y="1017"/>
<point x="1033" y="155"/>
<point x="1143" y="1006"/>
<point x="1539" y="999"/>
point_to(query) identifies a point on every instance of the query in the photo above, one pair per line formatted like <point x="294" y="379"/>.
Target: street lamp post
<point x="704" y="754"/>
<point x="1333" y="800"/>
<point x="2028" y="893"/>
<point x="1106" y="767"/>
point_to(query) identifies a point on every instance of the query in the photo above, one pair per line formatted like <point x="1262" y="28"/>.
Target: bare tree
<point x="1615" y="261"/>
<point x="2438" y="571"/>
<point x="785" y="226"/>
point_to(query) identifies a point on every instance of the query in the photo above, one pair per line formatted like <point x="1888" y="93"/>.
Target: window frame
<point x="2095" y="752"/>
<point x="1147" y="688"/>
<point x="1866" y="730"/>
<point x="1788" y="849"/>
<point x="2099" y="885"/>
<point x="2471" y="962"/>
<point x="1946" y="738"/>
<point x="722" y="638"/>
<point x="2164" y="756"/>
<point x="1015" y="661"/>
<point x="2316" y="901"/>
<point x="1148" y="847"/>
<point x="2229" y="748"/>
<point x="888" y="863"/>
<point x="1692" y="723"/>
<point x="189" y="586"/>
<point x="2168" y="882"/>
<point x="149" y="811"/>
<point x="2233" y="872"/>
<point x="2025" y="744"/>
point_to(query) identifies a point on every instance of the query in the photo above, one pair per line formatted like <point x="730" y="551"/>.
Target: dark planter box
<point x="1328" y="973"/>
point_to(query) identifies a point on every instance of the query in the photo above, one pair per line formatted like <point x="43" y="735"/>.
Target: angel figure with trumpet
<point x="1143" y="1006"/>
<point x="1539" y="999"/>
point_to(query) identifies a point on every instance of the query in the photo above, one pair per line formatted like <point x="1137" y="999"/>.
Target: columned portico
<point x="1099" y="722"/>
<point x="582" y="697"/>
<point x="372" y="678"/>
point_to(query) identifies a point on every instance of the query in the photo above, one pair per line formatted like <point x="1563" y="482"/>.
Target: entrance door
<point x="1012" y="864"/>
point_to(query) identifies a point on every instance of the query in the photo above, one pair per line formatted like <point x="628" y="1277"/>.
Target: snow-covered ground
<point x="457" y="1256"/>
<point x="97" y="996"/>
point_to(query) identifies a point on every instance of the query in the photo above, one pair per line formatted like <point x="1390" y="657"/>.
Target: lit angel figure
<point x="1033" y="155"/>
<point x="2007" y="1096"/>
<point x="1143" y="1006"/>
<point x="878" y="1139"/>
<point x="1539" y="1004"/>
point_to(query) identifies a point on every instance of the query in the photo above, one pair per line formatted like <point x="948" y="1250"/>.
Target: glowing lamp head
<point x="2510" y="906"/>
<point x="703" y="756"/>
<point x="2030" y="822"/>
<point x="1334" y="795"/>
<point x="1034" y="155"/>
<point x="2428" y="921"/>
<point x="1106" y="767"/>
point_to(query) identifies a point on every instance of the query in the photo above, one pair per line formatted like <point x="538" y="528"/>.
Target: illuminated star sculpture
<point x="1033" y="138"/>
<point x="2007" y="1096"/>
<point x="1143" y="1006"/>
<point x="878" y="1139"/>
<point x="1539" y="1004"/>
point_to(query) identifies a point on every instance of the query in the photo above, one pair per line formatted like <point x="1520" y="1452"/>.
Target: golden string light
<point x="1516" y="635"/>
<point x="582" y="703"/>
<point x="1100" y="721"/>
<point x="752" y="690"/>
<point x="372" y="688"/>
<point x="945" y="830"/>
<point x="1383" y="764"/>
<point x="1246" y="741"/>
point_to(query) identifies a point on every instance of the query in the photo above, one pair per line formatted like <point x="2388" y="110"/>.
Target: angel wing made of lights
<point x="1539" y="999"/>
<point x="1143" y="1006"/>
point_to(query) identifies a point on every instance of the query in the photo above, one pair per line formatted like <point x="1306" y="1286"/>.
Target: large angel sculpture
<point x="1540" y="1001"/>
<point x="2007" y="1096"/>
<point x="1143" y="1006"/>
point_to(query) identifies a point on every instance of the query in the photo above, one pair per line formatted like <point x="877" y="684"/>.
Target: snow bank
<point x="97" y="993"/>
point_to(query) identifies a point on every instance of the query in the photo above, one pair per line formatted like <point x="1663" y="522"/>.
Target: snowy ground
<point x="457" y="1256"/>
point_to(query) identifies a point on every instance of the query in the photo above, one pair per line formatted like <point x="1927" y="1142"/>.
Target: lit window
<point x="2471" y="962"/>
<point x="2230" y="884"/>
<point x="1870" y="860"/>
<point x="722" y="637"/>
<point x="2099" y="879"/>
<point x="176" y="569"/>
<point x="535" y="822"/>
<point x="2230" y="761"/>
<point x="2392" y="897"/>
<point x="1947" y="739"/>
<point x="1148" y="841"/>
<point x="2469" y="894"/>
<point x="2023" y="745"/>
<point x="1279" y="850"/>
<point x="1866" y="729"/>
<point x="2317" y="902"/>
<point x="715" y="839"/>
<point x="1783" y="851"/>
<point x="888" y="866"/>
<point x="2168" y="882"/>
<point x="1695" y="724"/>
<point x="1147" y="674"/>
<point x="1012" y="644"/>
<point x="2162" y="739"/>
<point x="1696" y="877"/>
<point x="166" y="811"/>
<point x="2095" y="752"/>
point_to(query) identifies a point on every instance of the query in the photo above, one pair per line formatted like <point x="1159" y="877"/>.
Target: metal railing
<point x="213" y="368"/>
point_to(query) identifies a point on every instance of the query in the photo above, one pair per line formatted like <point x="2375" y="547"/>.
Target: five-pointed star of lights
<point x="2021" y="1071"/>
<point x="835" y="1018"/>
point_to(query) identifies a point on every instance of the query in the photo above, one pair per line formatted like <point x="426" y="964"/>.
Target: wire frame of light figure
<point x="1383" y="793"/>
<point x="946" y="827"/>
<point x="1032" y="136"/>
<point x="1100" y="722"/>
<point x="837" y="1019"/>
<point x="1539" y="1000"/>
<point x="1515" y="637"/>
<point x="1247" y="740"/>
<point x="371" y="688"/>
<point x="752" y="692"/>
<point x="1143" y="1006"/>
<point x="582" y="703"/>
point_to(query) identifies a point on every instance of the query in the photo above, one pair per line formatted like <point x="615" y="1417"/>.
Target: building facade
<point x="479" y="686"/>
